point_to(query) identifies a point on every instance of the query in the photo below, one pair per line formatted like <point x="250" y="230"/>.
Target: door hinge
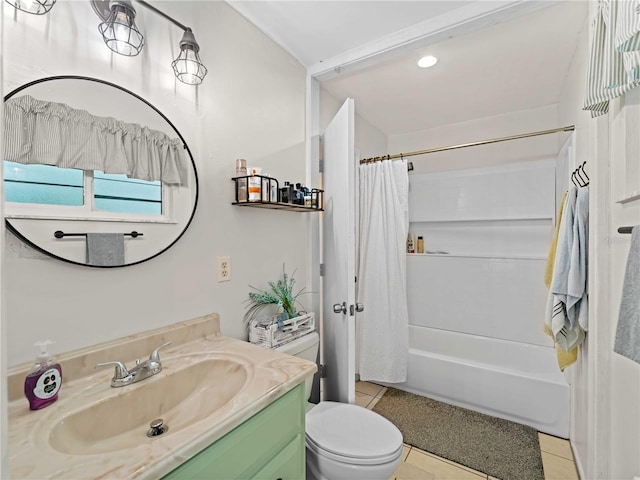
<point x="322" y="269"/>
<point x="322" y="370"/>
<point x="321" y="154"/>
<point x="321" y="166"/>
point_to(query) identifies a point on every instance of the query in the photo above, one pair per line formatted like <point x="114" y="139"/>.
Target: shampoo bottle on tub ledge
<point x="41" y="386"/>
<point x="411" y="245"/>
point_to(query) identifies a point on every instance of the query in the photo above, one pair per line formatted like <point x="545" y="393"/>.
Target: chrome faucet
<point x="142" y="370"/>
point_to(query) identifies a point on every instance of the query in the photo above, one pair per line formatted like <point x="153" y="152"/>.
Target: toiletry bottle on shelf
<point x="41" y="386"/>
<point x="420" y="248"/>
<point x="286" y="193"/>
<point x="266" y="188"/>
<point x="298" y="194"/>
<point x="411" y="244"/>
<point x="241" y="185"/>
<point x="255" y="184"/>
<point x="307" y="197"/>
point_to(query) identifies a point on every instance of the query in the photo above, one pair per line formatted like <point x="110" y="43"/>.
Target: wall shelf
<point x="277" y="206"/>
<point x="271" y="195"/>
<point x="521" y="218"/>
<point x="480" y="255"/>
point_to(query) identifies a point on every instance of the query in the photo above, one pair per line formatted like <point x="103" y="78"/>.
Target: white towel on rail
<point x="579" y="300"/>
<point x="562" y="265"/>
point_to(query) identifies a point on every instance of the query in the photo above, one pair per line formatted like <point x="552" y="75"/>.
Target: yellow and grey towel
<point x="564" y="358"/>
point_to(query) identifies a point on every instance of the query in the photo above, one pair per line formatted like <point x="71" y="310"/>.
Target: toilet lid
<point x="351" y="431"/>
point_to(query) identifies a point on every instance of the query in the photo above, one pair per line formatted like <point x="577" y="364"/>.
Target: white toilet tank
<point x="304" y="347"/>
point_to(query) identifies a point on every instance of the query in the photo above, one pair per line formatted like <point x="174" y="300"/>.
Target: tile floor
<point x="557" y="458"/>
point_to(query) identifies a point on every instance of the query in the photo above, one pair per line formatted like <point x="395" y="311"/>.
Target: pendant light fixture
<point x="35" y="7"/>
<point x="121" y="35"/>
<point x="187" y="66"/>
<point x="119" y="30"/>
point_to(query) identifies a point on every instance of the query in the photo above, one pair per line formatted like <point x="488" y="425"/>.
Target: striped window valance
<point x="49" y="133"/>
<point x="614" y="63"/>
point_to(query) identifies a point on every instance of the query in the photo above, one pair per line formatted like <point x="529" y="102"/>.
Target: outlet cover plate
<point x="224" y="268"/>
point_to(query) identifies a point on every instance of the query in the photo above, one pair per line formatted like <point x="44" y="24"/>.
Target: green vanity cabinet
<point x="269" y="445"/>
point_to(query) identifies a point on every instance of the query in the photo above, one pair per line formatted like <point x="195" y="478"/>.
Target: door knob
<point x="337" y="308"/>
<point x="359" y="307"/>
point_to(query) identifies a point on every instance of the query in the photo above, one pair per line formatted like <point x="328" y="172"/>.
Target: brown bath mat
<point x="500" y="448"/>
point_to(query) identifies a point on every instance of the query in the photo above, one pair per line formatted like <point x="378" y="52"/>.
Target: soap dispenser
<point x="41" y="386"/>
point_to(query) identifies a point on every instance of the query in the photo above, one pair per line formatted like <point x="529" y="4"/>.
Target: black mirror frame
<point x="13" y="230"/>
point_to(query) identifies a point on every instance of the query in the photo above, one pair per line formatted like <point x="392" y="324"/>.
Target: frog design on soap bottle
<point x="42" y="385"/>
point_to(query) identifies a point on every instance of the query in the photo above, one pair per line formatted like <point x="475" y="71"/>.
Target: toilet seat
<point x="351" y="434"/>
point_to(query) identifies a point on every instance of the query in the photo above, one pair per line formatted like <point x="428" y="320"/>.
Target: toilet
<point x="345" y="441"/>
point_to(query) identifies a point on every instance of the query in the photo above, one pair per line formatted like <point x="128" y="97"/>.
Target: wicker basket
<point x="266" y="331"/>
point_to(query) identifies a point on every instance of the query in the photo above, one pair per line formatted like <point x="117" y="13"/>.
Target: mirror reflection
<point x="94" y="174"/>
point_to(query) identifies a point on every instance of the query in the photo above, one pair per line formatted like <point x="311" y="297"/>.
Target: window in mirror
<point x="43" y="184"/>
<point x="50" y="185"/>
<point x="118" y="193"/>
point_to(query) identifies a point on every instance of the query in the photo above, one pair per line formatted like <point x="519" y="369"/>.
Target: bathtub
<point x="511" y="380"/>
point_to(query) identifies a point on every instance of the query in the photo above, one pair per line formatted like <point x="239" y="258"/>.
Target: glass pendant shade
<point x="188" y="67"/>
<point x="35" y="7"/>
<point x="120" y="32"/>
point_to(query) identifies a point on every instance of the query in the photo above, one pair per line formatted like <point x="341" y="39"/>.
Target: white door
<point x="338" y="248"/>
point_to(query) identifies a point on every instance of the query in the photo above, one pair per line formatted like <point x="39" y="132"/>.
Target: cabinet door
<point x="289" y="464"/>
<point x="247" y="449"/>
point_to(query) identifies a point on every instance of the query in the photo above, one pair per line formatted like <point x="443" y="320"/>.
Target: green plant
<point x="280" y="294"/>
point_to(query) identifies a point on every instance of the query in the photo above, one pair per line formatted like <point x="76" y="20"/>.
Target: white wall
<point x="251" y="105"/>
<point x="512" y="123"/>
<point x="623" y="209"/>
<point x="4" y="451"/>
<point x="605" y="427"/>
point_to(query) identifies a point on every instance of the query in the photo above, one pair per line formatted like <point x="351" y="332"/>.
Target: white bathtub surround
<point x="382" y="328"/>
<point x="476" y="315"/>
<point x="511" y="380"/>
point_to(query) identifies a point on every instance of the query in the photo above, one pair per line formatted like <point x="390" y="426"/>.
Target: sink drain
<point x="157" y="427"/>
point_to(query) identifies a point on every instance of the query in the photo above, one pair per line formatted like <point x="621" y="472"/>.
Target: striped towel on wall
<point x="614" y="60"/>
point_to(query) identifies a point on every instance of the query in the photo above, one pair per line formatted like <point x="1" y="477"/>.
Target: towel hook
<point x="585" y="173"/>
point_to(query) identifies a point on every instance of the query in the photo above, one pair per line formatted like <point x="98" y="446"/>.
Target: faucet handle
<point x="120" y="372"/>
<point x="155" y="357"/>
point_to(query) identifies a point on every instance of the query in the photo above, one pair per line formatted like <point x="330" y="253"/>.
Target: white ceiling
<point x="511" y="65"/>
<point x="313" y="31"/>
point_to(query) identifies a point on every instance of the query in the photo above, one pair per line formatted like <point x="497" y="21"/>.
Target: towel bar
<point x="60" y="234"/>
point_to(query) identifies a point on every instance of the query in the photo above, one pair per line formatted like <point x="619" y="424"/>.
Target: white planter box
<point x="266" y="331"/>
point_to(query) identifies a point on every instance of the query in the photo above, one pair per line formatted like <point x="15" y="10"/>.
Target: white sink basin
<point x="180" y="397"/>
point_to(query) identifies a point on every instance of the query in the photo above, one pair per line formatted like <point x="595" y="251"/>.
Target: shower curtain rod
<point x="568" y="128"/>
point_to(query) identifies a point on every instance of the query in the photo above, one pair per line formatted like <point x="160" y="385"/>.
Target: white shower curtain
<point x="382" y="328"/>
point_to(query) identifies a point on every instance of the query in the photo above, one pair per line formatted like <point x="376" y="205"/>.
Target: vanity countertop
<point x="268" y="375"/>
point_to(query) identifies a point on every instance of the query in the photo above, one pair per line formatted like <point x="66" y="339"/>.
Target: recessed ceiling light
<point x="428" y="61"/>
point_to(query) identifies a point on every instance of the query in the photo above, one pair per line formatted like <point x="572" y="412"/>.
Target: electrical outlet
<point x="224" y="269"/>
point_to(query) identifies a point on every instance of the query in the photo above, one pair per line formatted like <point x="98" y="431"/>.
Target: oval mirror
<point x="94" y="174"/>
